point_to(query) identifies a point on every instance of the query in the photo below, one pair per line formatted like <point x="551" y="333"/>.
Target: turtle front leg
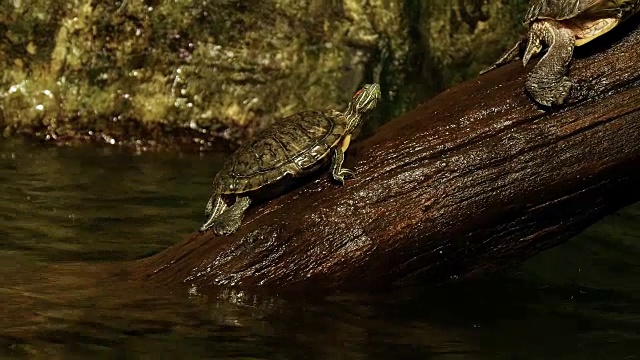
<point x="229" y="221"/>
<point x="214" y="208"/>
<point x="337" y="171"/>
<point x="547" y="82"/>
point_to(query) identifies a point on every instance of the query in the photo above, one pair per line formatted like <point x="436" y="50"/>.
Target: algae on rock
<point x="189" y="72"/>
<point x="464" y="36"/>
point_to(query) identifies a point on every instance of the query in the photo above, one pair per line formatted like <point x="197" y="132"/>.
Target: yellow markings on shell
<point x="317" y="130"/>
<point x="294" y="147"/>
<point x="590" y="30"/>
<point x="345" y="143"/>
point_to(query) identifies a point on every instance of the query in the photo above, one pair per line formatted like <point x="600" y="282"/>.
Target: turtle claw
<point x="339" y="178"/>
<point x="347" y="174"/>
<point x="490" y="68"/>
<point x="229" y="220"/>
<point x="226" y="227"/>
<point x="563" y="90"/>
<point x="343" y="174"/>
<point x="551" y="94"/>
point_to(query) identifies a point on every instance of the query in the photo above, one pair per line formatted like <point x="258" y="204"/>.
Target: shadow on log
<point x="475" y="179"/>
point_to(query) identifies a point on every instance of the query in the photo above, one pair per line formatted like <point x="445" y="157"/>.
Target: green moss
<point x="72" y="67"/>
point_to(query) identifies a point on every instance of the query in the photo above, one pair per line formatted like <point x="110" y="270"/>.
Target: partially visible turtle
<point x="291" y="147"/>
<point x="561" y="25"/>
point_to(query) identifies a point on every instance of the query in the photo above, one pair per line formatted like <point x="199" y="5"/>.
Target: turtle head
<point x="364" y="101"/>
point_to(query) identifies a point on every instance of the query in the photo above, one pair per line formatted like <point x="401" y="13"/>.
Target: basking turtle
<point x="291" y="147"/>
<point x="561" y="25"/>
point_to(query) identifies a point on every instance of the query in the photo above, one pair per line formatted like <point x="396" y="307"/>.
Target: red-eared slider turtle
<point x="561" y="25"/>
<point x="291" y="147"/>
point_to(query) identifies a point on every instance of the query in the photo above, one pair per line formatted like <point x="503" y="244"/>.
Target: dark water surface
<point x="66" y="212"/>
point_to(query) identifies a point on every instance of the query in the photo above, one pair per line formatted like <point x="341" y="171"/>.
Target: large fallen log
<point x="475" y="179"/>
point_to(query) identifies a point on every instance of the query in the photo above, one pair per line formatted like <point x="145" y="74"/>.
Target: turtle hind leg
<point x="214" y="208"/>
<point x="507" y="57"/>
<point x="229" y="221"/>
<point x="547" y="82"/>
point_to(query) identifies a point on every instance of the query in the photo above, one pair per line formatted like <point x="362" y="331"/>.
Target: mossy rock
<point x="190" y="73"/>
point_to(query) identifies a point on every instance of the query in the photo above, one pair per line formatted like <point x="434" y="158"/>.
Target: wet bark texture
<point x="477" y="178"/>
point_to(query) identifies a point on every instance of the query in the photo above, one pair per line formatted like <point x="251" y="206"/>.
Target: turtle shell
<point x="562" y="9"/>
<point x="293" y="146"/>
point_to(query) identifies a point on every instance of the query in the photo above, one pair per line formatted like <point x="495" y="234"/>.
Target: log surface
<point x="477" y="178"/>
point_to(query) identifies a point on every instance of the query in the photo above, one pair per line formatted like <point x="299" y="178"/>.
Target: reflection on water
<point x="69" y="214"/>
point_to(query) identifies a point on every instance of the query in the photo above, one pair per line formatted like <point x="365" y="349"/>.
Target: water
<point x="71" y="215"/>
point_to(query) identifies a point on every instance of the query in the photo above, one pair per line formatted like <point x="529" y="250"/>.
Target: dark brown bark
<point x="477" y="178"/>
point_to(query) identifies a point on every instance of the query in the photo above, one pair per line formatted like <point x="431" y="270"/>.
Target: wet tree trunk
<point x="475" y="179"/>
